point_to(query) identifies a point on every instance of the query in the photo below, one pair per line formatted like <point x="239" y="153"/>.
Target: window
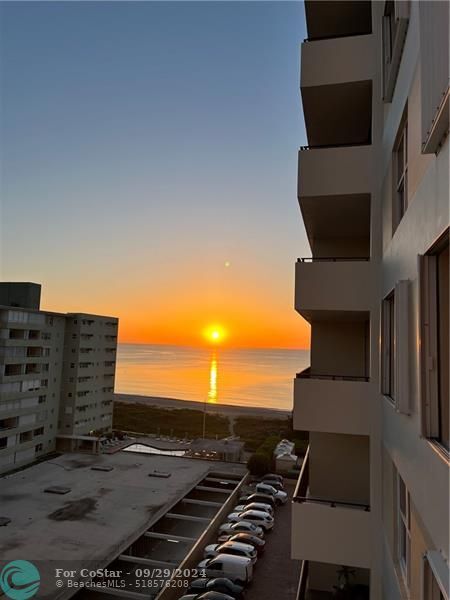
<point x="395" y="24"/>
<point x="38" y="448"/>
<point x="400" y="173"/>
<point x="26" y="436"/>
<point x="388" y="346"/>
<point x="434" y="317"/>
<point x="403" y="529"/>
<point x="435" y="577"/>
<point x="3" y="442"/>
<point x="395" y="350"/>
<point x="39" y="431"/>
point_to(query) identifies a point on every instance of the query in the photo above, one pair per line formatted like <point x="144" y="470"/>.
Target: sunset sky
<point x="149" y="154"/>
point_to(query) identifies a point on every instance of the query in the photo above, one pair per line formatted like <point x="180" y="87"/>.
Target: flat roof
<point x="104" y="512"/>
<point x="57" y="314"/>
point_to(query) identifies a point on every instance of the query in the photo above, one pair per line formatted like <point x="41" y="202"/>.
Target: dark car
<point x="207" y="596"/>
<point x="218" y="584"/>
<point x="273" y="477"/>
<point x="278" y="485"/>
<point x="258" y="497"/>
<point x="245" y="538"/>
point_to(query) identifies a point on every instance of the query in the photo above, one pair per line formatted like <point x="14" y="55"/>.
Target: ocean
<point x="243" y="377"/>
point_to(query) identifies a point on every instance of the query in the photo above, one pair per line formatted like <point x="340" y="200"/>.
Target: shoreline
<point x="229" y="410"/>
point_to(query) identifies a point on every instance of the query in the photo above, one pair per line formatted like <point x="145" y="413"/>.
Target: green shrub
<point x="258" y="464"/>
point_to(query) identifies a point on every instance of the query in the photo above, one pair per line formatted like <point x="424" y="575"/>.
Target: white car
<point x="241" y="527"/>
<point x="254" y="506"/>
<point x="279" y="496"/>
<point x="257" y="517"/>
<point x="234" y="548"/>
<point x="236" y="568"/>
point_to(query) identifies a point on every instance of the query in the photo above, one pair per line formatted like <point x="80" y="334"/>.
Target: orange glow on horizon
<point x="246" y="310"/>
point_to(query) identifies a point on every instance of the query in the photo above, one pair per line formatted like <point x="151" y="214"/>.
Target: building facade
<point x="56" y="375"/>
<point x="371" y="508"/>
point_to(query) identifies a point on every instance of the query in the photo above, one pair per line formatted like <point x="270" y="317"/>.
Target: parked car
<point x="254" y="506"/>
<point x="236" y="568"/>
<point x="245" y="538"/>
<point x="241" y="527"/>
<point x="207" y="596"/>
<point x="256" y="517"/>
<point x="257" y="497"/>
<point x="274" y="483"/>
<point x="218" y="584"/>
<point x="234" y="548"/>
<point x="279" y="496"/>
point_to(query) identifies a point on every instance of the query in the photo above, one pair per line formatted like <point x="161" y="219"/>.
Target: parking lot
<point x="276" y="574"/>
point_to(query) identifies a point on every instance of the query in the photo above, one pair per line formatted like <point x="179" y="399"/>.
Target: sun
<point x="215" y="334"/>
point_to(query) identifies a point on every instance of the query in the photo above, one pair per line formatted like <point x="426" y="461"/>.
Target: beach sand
<point x="224" y="409"/>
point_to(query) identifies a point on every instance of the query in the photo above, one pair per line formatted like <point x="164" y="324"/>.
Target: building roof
<point x="100" y="516"/>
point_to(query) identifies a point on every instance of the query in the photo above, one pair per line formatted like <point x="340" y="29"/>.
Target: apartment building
<point x="88" y="375"/>
<point x="56" y="375"/>
<point x="371" y="507"/>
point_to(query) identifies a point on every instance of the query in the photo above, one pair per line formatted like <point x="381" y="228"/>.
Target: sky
<point x="149" y="164"/>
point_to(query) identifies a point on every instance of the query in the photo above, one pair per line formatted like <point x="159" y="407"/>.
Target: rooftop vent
<point x="162" y="474"/>
<point x="102" y="468"/>
<point x="57" y="489"/>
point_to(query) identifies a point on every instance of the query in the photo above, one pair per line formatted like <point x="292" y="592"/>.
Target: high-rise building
<point x="371" y="508"/>
<point x="56" y="376"/>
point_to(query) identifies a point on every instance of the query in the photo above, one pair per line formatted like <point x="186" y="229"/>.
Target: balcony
<point x="334" y="171"/>
<point x="336" y="61"/>
<point x="319" y="581"/>
<point x="326" y="285"/>
<point x="336" y="87"/>
<point x="331" y="404"/>
<point x="329" y="531"/>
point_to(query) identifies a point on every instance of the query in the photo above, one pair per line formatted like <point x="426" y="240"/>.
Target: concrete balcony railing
<point x="325" y="530"/>
<point x="334" y="171"/>
<point x="338" y="60"/>
<point x="331" y="404"/>
<point x="332" y="284"/>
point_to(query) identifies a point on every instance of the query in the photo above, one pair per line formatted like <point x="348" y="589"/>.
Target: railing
<point x="303" y="581"/>
<point x="310" y="259"/>
<point x="336" y="36"/>
<point x="301" y="491"/>
<point x="301" y="488"/>
<point x="368" y="142"/>
<point x="306" y="374"/>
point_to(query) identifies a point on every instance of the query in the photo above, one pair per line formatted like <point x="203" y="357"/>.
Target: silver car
<point x="257" y="517"/>
<point x="234" y="548"/>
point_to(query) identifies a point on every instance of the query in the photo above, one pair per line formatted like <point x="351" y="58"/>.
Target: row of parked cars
<point x="228" y="564"/>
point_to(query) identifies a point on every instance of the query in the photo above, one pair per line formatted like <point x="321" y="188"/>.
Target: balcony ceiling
<point x="336" y="216"/>
<point x="339" y="114"/>
<point x="326" y="19"/>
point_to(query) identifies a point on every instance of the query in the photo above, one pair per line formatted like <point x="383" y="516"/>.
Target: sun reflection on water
<point x="212" y="392"/>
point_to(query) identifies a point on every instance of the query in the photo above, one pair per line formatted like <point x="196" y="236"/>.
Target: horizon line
<point x="213" y="347"/>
